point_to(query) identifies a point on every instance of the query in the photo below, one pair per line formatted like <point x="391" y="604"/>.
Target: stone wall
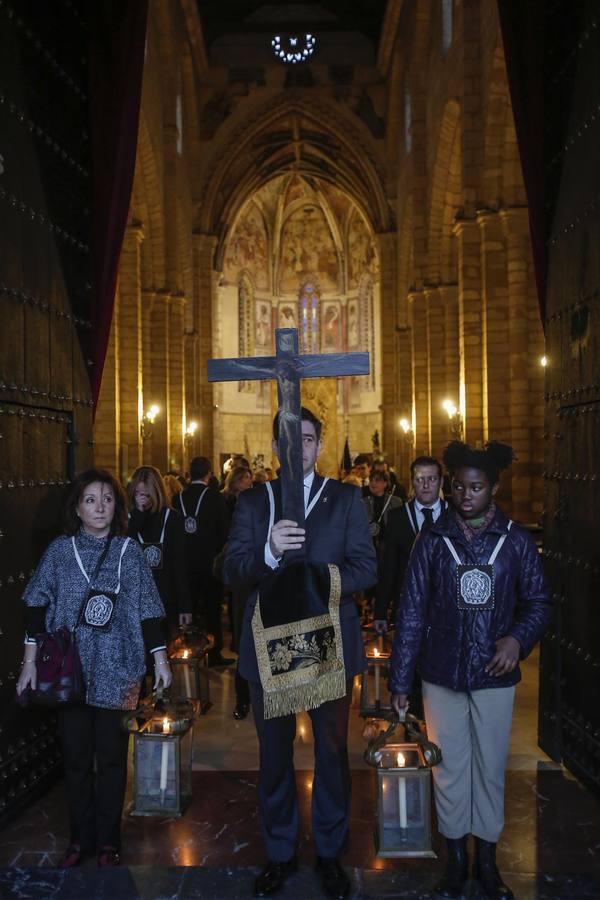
<point x="422" y="141"/>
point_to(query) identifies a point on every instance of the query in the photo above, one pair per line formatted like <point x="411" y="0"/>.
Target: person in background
<point x="205" y="523"/>
<point x="360" y="468"/>
<point x="380" y="464"/>
<point x="159" y="531"/>
<point x="403" y="526"/>
<point x="238" y="481"/>
<point x="173" y="487"/>
<point x="94" y="580"/>
<point x="379" y="503"/>
<point x="474" y="603"/>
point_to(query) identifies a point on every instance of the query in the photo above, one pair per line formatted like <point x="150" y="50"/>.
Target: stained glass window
<point x="309" y="319"/>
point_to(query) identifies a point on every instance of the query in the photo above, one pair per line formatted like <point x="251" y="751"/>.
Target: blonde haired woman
<point x="173" y="487"/>
<point x="160" y="533"/>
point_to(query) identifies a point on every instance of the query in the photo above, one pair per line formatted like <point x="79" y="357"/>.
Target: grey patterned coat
<point x="113" y="661"/>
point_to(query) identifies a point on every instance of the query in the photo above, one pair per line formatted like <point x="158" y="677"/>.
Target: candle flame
<point x="400" y="760"/>
<point x="186" y="653"/>
<point x="166" y="726"/>
<point x="375" y="651"/>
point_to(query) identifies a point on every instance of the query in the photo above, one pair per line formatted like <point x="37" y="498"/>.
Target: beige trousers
<point x="473" y="731"/>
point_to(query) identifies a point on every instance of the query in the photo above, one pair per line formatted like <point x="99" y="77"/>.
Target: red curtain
<point x="118" y="37"/>
<point x="523" y="27"/>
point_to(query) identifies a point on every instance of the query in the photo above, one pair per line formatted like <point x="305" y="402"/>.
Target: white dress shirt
<point x="436" y="508"/>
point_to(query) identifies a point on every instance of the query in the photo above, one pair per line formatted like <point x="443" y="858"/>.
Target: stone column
<point x="496" y="336"/>
<point x="204" y="249"/>
<point x="156" y="449"/>
<point x="148" y="299"/>
<point x="420" y="373"/>
<point x="437" y="369"/>
<point x="518" y="250"/>
<point x="404" y="371"/>
<point x="129" y="349"/>
<point x="449" y="298"/>
<point x="470" y="329"/>
<point x="107" y="423"/>
<point x="176" y="382"/>
<point x="388" y="303"/>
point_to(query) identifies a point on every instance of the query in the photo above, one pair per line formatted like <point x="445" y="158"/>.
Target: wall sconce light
<point x="455" y="419"/>
<point x="191" y="430"/>
<point x="406" y="430"/>
<point x="147" y="423"/>
<point x="544" y="361"/>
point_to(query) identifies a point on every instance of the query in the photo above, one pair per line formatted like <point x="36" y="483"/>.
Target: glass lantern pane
<point x="404" y="821"/>
<point x="185" y="763"/>
<point x="156" y="773"/>
<point x="186" y="681"/>
<point x="374" y="695"/>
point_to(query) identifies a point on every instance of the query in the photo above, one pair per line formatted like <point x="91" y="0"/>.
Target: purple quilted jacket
<point x="451" y="646"/>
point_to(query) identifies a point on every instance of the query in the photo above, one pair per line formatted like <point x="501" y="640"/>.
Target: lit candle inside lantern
<point x="164" y="761"/>
<point x="377" y="677"/>
<point x="186" y="675"/>
<point x="402" y="794"/>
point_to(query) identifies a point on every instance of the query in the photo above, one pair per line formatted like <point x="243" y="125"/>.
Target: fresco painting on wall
<point x="308" y="248"/>
<point x="361" y="252"/>
<point x="288" y="315"/>
<point x="353" y="325"/>
<point x="247" y="249"/>
<point x="331" y="325"/>
<point x="263" y="327"/>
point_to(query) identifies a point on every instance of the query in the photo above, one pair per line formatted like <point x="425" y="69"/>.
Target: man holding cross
<point x="302" y="545"/>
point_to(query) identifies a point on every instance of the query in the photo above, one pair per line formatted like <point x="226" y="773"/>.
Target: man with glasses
<point x="403" y="526"/>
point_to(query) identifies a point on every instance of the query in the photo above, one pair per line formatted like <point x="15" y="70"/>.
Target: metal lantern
<point x="403" y="790"/>
<point x="373" y="684"/>
<point x="189" y="664"/>
<point x="162" y="756"/>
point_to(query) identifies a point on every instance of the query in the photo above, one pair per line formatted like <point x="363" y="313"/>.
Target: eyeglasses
<point x="426" y="479"/>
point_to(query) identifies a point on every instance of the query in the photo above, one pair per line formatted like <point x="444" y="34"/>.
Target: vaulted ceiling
<point x="223" y="17"/>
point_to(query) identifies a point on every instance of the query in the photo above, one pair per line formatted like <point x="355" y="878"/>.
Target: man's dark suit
<point x="336" y="532"/>
<point x="400" y="535"/>
<point x="207" y="541"/>
<point x="401" y="532"/>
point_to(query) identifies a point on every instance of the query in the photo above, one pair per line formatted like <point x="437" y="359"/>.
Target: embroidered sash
<point x="297" y="634"/>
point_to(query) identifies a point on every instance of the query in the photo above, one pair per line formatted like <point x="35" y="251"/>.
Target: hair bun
<point x="501" y="454"/>
<point x="456" y="455"/>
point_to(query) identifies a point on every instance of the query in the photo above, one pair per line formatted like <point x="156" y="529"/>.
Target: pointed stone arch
<point x="318" y="143"/>
<point x="445" y="197"/>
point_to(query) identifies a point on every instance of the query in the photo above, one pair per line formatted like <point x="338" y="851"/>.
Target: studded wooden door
<point x="45" y="403"/>
<point x="570" y="654"/>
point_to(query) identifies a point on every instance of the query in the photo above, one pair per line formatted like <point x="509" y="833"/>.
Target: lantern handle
<point x="412" y="731"/>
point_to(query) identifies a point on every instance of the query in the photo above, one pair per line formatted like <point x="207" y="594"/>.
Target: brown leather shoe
<point x="109" y="856"/>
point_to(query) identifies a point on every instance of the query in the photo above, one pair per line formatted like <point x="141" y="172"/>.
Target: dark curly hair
<point x="119" y="524"/>
<point x="491" y="460"/>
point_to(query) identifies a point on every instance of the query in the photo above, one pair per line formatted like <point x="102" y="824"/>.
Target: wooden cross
<point x="289" y="367"/>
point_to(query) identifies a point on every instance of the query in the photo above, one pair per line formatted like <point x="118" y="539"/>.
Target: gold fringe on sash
<point x="310" y="685"/>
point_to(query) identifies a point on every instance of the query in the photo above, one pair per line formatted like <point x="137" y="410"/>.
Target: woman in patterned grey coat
<point x="95" y="580"/>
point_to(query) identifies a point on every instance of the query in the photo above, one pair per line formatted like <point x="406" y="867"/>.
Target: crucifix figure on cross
<point x="288" y="366"/>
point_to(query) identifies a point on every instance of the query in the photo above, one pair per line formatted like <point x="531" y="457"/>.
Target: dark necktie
<point x="427" y="515"/>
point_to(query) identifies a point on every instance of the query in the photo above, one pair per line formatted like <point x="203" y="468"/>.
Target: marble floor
<point x="550" y="847"/>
